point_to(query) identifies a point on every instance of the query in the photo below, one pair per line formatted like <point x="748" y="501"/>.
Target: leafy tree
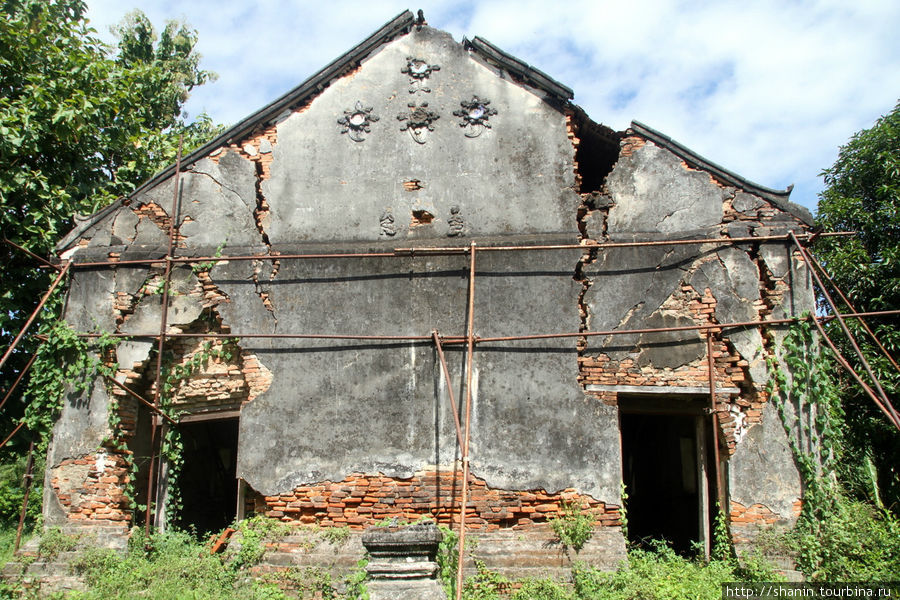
<point x="863" y="194"/>
<point x="81" y="123"/>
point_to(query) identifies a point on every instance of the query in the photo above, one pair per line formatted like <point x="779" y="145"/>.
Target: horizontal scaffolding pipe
<point x="459" y="339"/>
<point x="444" y="250"/>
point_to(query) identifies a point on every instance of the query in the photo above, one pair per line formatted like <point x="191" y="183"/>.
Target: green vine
<point x="209" y="264"/>
<point x="66" y="367"/>
<point x="809" y="407"/>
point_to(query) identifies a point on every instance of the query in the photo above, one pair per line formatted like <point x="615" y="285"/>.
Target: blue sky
<point x="769" y="89"/>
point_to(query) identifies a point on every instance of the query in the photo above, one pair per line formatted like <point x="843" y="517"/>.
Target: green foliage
<point x="251" y="536"/>
<point x="853" y="541"/>
<point x="485" y="584"/>
<point x="81" y="123"/>
<point x="54" y="541"/>
<point x="810" y="410"/>
<point x="721" y="537"/>
<point x="207" y="265"/>
<point x="574" y="528"/>
<point x="66" y="368"/>
<point x="171" y="565"/>
<point x="862" y="194"/>
<point x="355" y="582"/>
<point x="836" y="538"/>
<point x="335" y="535"/>
<point x="656" y="574"/>
<point x="12" y="490"/>
<point x="542" y="589"/>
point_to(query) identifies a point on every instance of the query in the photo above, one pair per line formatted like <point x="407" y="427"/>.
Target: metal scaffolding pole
<point x="470" y="351"/>
<point x="446" y="250"/>
<point x="846" y="330"/>
<point x="34" y="314"/>
<point x="167" y="280"/>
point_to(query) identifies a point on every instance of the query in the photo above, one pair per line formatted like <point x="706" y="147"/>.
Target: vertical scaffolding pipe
<point x="163" y="325"/>
<point x="26" y="481"/>
<point x="720" y="488"/>
<point x="843" y="324"/>
<point x="56" y="282"/>
<point x="470" y="349"/>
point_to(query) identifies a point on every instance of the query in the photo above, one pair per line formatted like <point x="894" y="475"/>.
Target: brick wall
<point x="360" y="501"/>
<point x="91" y="488"/>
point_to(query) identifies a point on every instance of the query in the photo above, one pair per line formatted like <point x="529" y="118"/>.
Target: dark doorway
<point x="664" y="470"/>
<point x="208" y="482"/>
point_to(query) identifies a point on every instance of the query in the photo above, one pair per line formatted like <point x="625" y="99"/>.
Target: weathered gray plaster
<point x="218" y="200"/>
<point x="124" y="227"/>
<point x="762" y="469"/>
<point x="629" y="284"/>
<point x="183" y="309"/>
<point x="654" y="192"/>
<point x="89" y="300"/>
<point x="515" y="178"/>
<point x="383" y="407"/>
<point x="733" y="279"/>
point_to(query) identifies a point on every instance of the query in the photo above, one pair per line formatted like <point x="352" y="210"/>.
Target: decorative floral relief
<point x="356" y="121"/>
<point x="474" y="115"/>
<point x="418" y="121"/>
<point x="418" y="70"/>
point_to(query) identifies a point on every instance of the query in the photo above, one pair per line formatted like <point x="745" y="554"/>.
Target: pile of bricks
<point x="360" y="501"/>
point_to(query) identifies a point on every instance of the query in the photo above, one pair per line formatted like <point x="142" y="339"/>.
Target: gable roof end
<point x="400" y="24"/>
<point x="780" y="198"/>
<point x="526" y="72"/>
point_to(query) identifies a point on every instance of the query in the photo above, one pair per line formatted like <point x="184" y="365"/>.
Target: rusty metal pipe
<point x="470" y="350"/>
<point x="846" y="331"/>
<point x="34" y="314"/>
<point x="440" y="351"/>
<point x="711" y="365"/>
<point x="817" y="265"/>
<point x="163" y="325"/>
<point x="843" y="362"/>
<point x="26" y="481"/>
<point x="43" y="261"/>
<point x="18" y="380"/>
<point x="14" y="432"/>
<point x="439" y="250"/>
<point x="459" y="339"/>
<point x="142" y="400"/>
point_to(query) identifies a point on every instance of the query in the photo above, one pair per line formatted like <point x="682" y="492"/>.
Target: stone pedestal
<point x="402" y="564"/>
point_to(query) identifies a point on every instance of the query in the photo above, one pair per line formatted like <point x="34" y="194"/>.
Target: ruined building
<point x="426" y="259"/>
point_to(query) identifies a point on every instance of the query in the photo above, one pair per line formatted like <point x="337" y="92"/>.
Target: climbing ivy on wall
<point x="836" y="538"/>
<point x="807" y="400"/>
<point x="66" y="367"/>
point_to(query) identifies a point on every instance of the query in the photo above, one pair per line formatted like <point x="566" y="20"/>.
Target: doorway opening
<point x="669" y="475"/>
<point x="208" y="480"/>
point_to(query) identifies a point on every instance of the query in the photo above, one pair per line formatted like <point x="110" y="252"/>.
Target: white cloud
<point x="768" y="89"/>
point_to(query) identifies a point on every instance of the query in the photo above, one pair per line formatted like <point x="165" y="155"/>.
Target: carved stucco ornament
<point x="388" y="227"/>
<point x="356" y="121"/>
<point x="456" y="223"/>
<point x="418" y="70"/>
<point x="418" y="121"/>
<point x="474" y="115"/>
